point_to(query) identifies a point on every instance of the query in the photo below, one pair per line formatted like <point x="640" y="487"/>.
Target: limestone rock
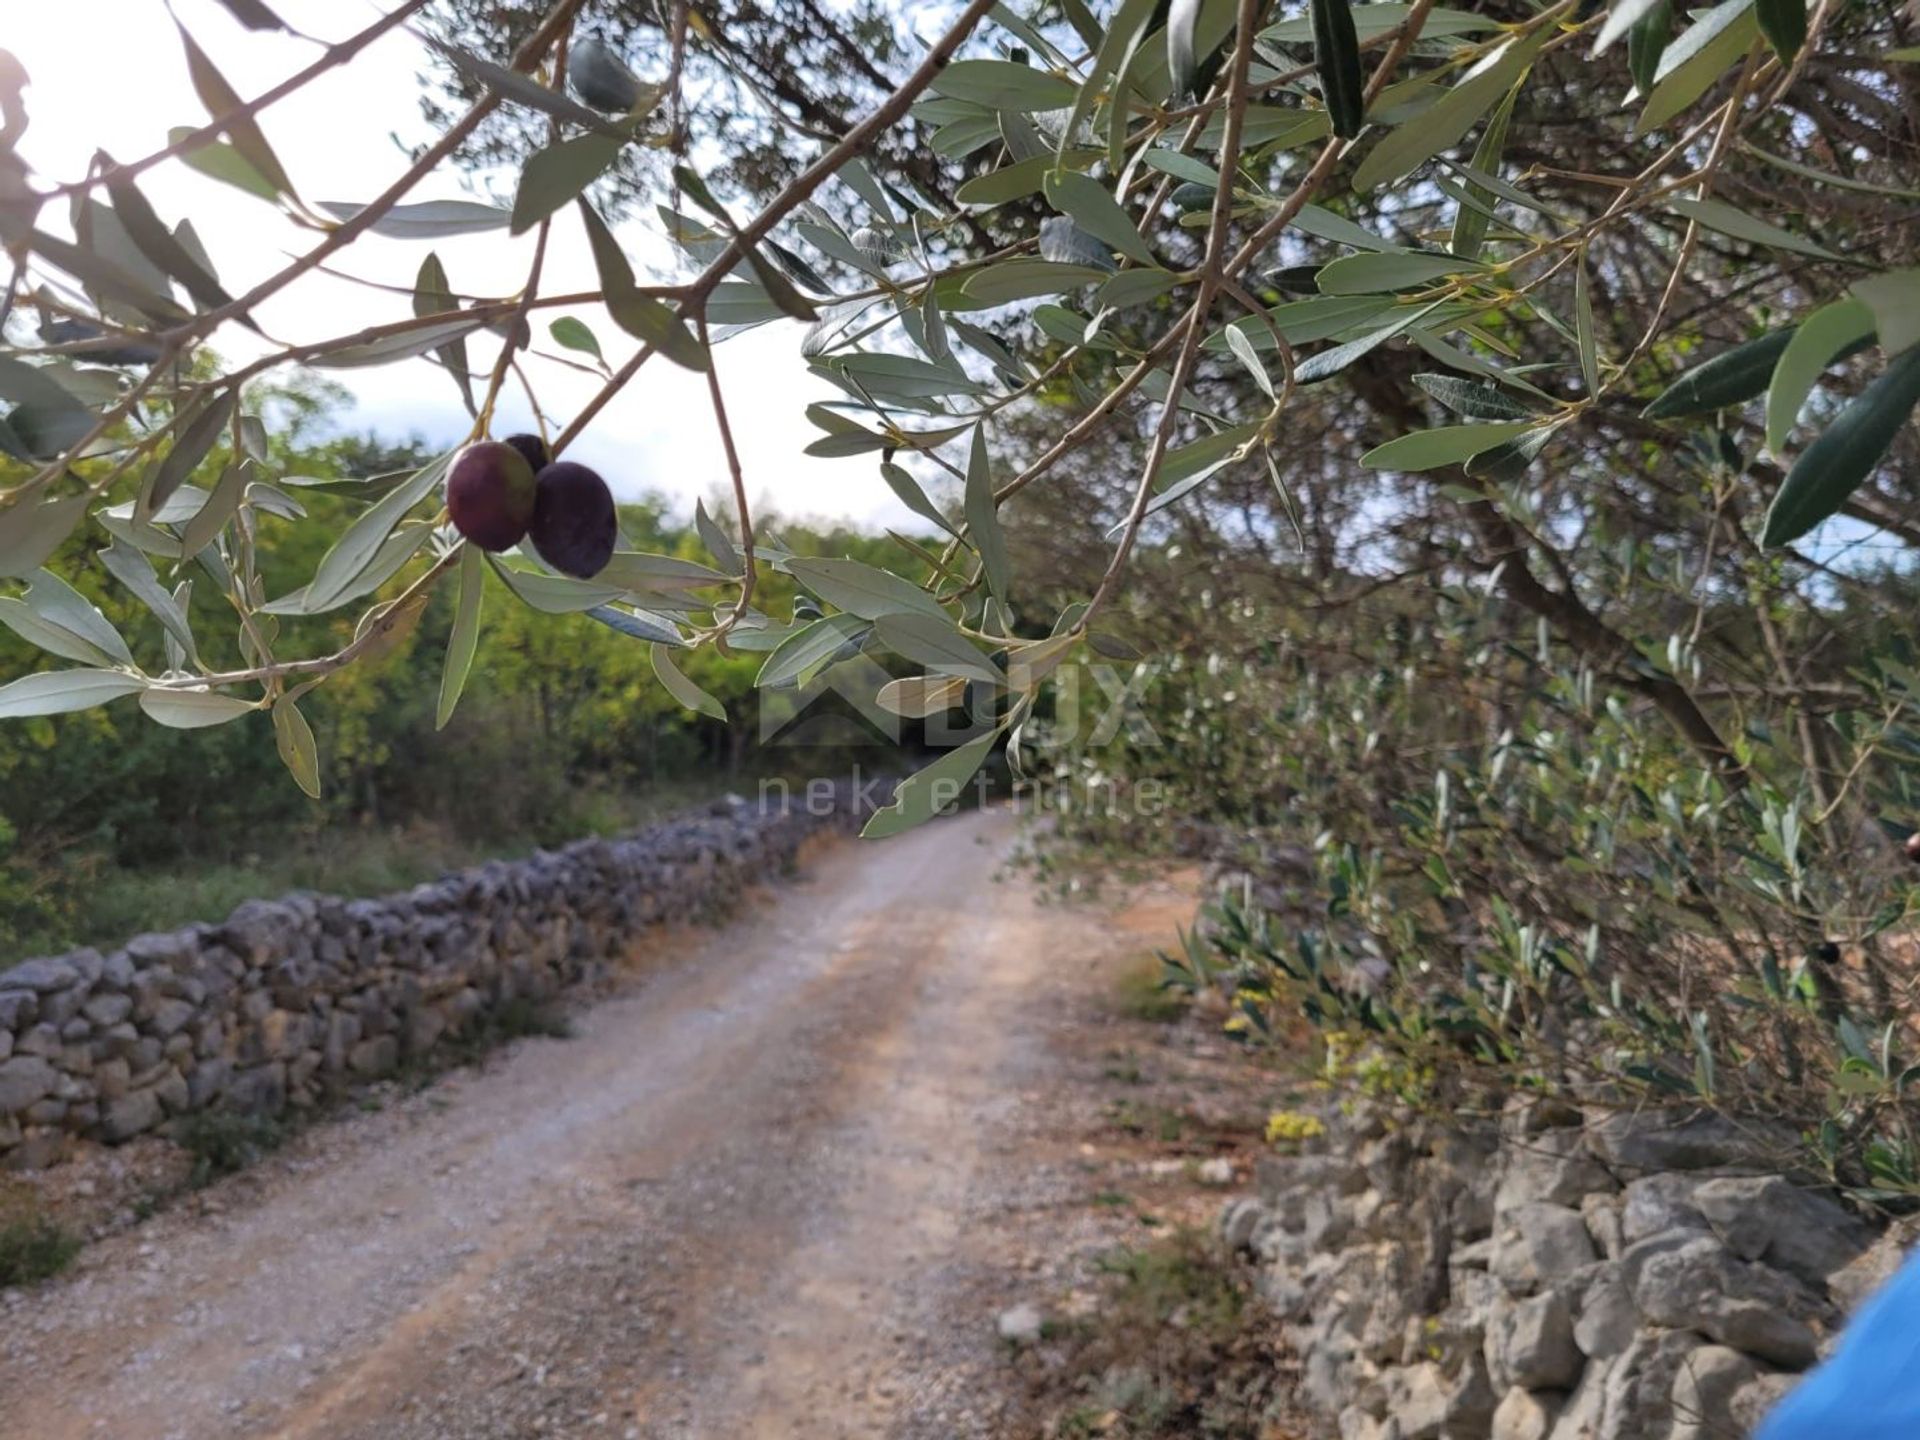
<point x="1530" y="1344"/>
<point x="41" y="976"/>
<point x="1800" y="1231"/>
<point x="1526" y="1415"/>
<point x="1608" y="1318"/>
<point x="1852" y="1284"/>
<point x="1239" y="1221"/>
<point x="1701" y="1286"/>
<point x="130" y="1115"/>
<point x="1430" y="1404"/>
<point x="1655" y="1204"/>
<point x="23" y="1080"/>
<point x="1539" y="1244"/>
<point x="1704" y="1390"/>
<point x="1646" y="1140"/>
<point x="1554" y="1166"/>
<point x="1020" y="1324"/>
<point x="1755" y="1400"/>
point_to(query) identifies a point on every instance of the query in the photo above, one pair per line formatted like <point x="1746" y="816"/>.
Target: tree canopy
<point x="1491" y="293"/>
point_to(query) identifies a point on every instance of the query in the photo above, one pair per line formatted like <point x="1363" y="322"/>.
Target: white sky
<point x="109" y="74"/>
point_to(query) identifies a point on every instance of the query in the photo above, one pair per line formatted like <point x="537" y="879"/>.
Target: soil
<point x="783" y="1184"/>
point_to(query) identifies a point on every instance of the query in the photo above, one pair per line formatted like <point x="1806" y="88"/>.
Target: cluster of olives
<point x="500" y="492"/>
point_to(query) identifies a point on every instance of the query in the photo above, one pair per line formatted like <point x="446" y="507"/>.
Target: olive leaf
<point x="641" y="316"/>
<point x="58" y="692"/>
<point x="861" y="589"/>
<point x="293" y="738"/>
<point x="1336" y="56"/>
<point x="804" y="651"/>
<point x="983" y="518"/>
<point x="922" y="795"/>
<point x="464" y="638"/>
<point x="1447" y="445"/>
<point x="427" y="219"/>
<point x="1732" y="377"/>
<point x="1448" y="120"/>
<point x="936" y="643"/>
<point x="433" y="295"/>
<point x="555" y="175"/>
<point x="920" y="696"/>
<point x="182" y="709"/>
<point x="1784" y="25"/>
<point x="574" y="335"/>
<point x="30" y="531"/>
<point x="1699" y="57"/>
<point x="683" y="689"/>
<point x="1845" y="454"/>
<point x="1825" y="337"/>
<point x="224" y="108"/>
<point x="1003" y="85"/>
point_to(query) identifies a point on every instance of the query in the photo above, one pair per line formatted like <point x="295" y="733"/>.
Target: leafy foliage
<point x="1450" y="324"/>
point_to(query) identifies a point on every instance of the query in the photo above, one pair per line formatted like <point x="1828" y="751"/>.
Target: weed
<point x="1141" y="993"/>
<point x="1185" y="1276"/>
<point x="34" y="1250"/>
<point x="520" y="1018"/>
<point x="225" y="1142"/>
<point x="1176" y="1348"/>
<point x="1166" y="1126"/>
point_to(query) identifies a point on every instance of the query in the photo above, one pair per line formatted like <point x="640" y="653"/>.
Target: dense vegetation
<point x="1493" y="423"/>
<point x="110" y="825"/>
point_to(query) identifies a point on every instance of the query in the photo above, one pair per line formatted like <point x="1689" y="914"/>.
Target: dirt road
<point x="767" y="1191"/>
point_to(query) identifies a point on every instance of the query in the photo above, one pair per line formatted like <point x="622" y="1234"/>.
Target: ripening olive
<point x="490" y="494"/>
<point x="599" y="77"/>
<point x="533" y="448"/>
<point x="1913" y="847"/>
<point x="574" y="526"/>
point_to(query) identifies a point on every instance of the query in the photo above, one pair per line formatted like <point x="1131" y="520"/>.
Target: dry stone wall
<point x="1555" y="1276"/>
<point x="291" y="999"/>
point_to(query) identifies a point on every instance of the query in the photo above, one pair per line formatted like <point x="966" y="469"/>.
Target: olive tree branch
<point x="1210" y="279"/>
<point x="744" y="238"/>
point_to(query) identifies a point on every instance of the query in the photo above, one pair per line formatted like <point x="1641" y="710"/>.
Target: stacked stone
<point x="291" y="999"/>
<point x="1615" y="1276"/>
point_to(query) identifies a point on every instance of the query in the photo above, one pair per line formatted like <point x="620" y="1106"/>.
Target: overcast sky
<point x="109" y="74"/>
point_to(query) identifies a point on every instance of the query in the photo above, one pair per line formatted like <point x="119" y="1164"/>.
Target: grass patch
<point x="1156" y="1122"/>
<point x="1177" y="1348"/>
<point x="1183" y="1276"/>
<point x="34" y="1250"/>
<point x="225" y="1142"/>
<point x="345" y="859"/>
<point x="1139" y="993"/>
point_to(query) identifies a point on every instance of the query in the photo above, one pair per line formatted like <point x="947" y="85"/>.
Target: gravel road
<point x="768" y="1190"/>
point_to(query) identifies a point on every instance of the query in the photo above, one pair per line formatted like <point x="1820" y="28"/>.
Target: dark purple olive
<point x="1913" y="847"/>
<point x="533" y="448"/>
<point x="490" y="494"/>
<point x="574" y="527"/>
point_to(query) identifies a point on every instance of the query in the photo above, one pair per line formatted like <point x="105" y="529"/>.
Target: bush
<point x="34" y="1250"/>
<point x="1534" y="887"/>
<point x="225" y="1142"/>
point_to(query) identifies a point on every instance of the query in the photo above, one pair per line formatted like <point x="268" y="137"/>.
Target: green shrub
<point x="225" y="1142"/>
<point x="1524" y="883"/>
<point x="34" y="1250"/>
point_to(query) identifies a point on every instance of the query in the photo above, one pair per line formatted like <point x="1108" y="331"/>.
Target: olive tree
<point x="1187" y="223"/>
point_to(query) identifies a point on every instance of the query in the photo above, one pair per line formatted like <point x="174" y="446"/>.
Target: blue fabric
<point x="1870" y="1388"/>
